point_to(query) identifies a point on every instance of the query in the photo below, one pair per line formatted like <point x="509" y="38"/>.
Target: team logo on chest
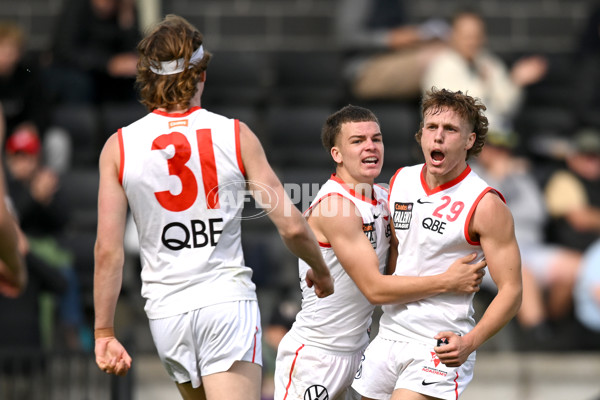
<point x="402" y="215"/>
<point x="371" y="233"/>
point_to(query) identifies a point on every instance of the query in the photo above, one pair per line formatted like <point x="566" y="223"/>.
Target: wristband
<point x="103" y="333"/>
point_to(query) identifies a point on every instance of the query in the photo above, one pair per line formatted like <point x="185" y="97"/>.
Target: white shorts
<point x="310" y="373"/>
<point x="389" y="365"/>
<point x="208" y="340"/>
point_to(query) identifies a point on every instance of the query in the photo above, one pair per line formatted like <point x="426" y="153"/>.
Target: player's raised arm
<point x="290" y="223"/>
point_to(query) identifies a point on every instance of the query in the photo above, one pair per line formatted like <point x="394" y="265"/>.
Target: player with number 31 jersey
<point x="184" y="173"/>
<point x="182" y="217"/>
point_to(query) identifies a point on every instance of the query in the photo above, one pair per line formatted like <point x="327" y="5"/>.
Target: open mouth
<point x="371" y="160"/>
<point x="437" y="156"/>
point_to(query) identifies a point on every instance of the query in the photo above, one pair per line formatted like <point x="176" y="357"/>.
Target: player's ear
<point x="336" y="155"/>
<point x="471" y="140"/>
<point x="203" y="76"/>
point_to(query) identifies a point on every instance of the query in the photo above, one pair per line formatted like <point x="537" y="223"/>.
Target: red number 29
<point x="177" y="167"/>
<point x="455" y="209"/>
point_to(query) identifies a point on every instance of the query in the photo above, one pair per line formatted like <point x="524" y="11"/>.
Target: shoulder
<point x="491" y="214"/>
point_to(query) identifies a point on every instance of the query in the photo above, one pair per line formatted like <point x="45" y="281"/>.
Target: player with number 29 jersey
<point x="189" y="227"/>
<point x="431" y="225"/>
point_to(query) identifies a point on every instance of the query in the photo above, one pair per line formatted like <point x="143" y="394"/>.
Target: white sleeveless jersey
<point x="184" y="181"/>
<point x="340" y="322"/>
<point x="432" y="229"/>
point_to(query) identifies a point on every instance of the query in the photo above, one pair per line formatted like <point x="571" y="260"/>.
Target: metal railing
<point x="31" y="375"/>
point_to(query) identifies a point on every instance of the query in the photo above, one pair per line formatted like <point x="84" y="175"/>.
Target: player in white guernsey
<point x="184" y="171"/>
<point x="319" y="356"/>
<point x="441" y="210"/>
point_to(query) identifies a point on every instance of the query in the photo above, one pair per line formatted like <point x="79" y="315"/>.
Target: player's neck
<point x="435" y="179"/>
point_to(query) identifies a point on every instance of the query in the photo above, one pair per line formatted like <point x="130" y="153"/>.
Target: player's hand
<point x="9" y="286"/>
<point x="111" y="356"/>
<point x="323" y="283"/>
<point x="463" y="277"/>
<point x="455" y="352"/>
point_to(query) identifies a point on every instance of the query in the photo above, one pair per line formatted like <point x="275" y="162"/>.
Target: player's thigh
<point x="188" y="392"/>
<point x="241" y="382"/>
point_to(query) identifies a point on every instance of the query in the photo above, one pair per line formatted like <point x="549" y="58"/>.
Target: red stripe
<point x="472" y="210"/>
<point x="291" y="371"/>
<point x="443" y="186"/>
<point x="352" y="192"/>
<point x="254" y="349"/>
<point x="209" y="168"/>
<point x="238" y="148"/>
<point x="392" y="181"/>
<point x="456" y="385"/>
<point x="122" y="154"/>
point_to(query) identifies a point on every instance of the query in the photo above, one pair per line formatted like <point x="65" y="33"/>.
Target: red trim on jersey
<point x="472" y="210"/>
<point x="209" y="168"/>
<point x="238" y="147"/>
<point x="122" y="155"/>
<point x="309" y="209"/>
<point x="176" y="114"/>
<point x="392" y="181"/>
<point x="337" y="179"/>
<point x="291" y="372"/>
<point x="444" y="186"/>
<point x="381" y="187"/>
<point x="456" y="385"/>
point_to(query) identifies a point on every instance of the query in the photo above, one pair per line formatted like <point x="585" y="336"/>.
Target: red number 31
<point x="177" y="167"/>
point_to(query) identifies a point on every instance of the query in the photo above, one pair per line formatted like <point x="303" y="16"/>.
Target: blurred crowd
<point x="550" y="175"/>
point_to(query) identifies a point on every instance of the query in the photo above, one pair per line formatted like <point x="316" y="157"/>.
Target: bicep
<point x="344" y="231"/>
<point x="494" y="224"/>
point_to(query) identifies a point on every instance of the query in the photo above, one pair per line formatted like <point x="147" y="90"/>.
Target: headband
<point x="177" y="66"/>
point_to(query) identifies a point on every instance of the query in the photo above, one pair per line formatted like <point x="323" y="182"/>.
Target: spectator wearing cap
<point x="24" y="99"/>
<point x="43" y="211"/>
<point x="549" y="270"/>
<point x="573" y="193"/>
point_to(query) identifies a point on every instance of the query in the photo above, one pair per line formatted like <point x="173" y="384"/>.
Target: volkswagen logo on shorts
<point x="316" y="392"/>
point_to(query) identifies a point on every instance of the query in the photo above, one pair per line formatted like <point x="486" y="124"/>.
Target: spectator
<point x="468" y="66"/>
<point x="24" y="101"/>
<point x="93" y="56"/>
<point x="573" y="194"/>
<point x="43" y="213"/>
<point x="385" y="53"/>
<point x="13" y="274"/>
<point x="549" y="271"/>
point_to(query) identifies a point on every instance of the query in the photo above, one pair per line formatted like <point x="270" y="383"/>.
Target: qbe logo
<point x="316" y="392"/>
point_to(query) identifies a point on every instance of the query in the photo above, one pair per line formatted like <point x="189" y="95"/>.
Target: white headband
<point x="177" y="66"/>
